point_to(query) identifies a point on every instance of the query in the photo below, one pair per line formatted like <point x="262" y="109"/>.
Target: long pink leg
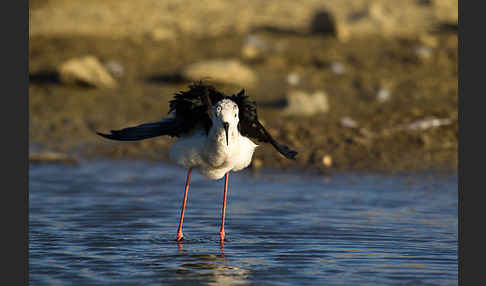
<point x="221" y="232"/>
<point x="180" y="236"/>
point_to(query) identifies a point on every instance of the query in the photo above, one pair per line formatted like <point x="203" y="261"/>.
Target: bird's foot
<point x="180" y="237"/>
<point x="222" y="235"/>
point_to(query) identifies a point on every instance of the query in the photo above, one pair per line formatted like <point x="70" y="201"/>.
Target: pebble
<point x="293" y="79"/>
<point x="115" y="68"/>
<point x="423" y="52"/>
<point x="327" y="160"/>
<point x="348" y="122"/>
<point x="253" y="47"/>
<point x="299" y="102"/>
<point x="429" y="122"/>
<point x="87" y="70"/>
<point x="383" y="95"/>
<point x="338" y="68"/>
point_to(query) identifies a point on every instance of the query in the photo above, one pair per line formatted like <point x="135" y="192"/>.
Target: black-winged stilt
<point x="213" y="133"/>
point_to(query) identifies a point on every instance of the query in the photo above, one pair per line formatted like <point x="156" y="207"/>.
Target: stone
<point x="348" y="122"/>
<point x="338" y="68"/>
<point x="423" y="52"/>
<point x="253" y="47"/>
<point x="298" y="102"/>
<point x="429" y="122"/>
<point x="86" y="70"/>
<point x="223" y="71"/>
<point x="51" y="157"/>
<point x="327" y="160"/>
<point x="115" y="68"/>
<point x="293" y="79"/>
<point x="383" y="94"/>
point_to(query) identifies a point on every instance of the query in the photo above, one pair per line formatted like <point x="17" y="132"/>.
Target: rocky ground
<point x="381" y="101"/>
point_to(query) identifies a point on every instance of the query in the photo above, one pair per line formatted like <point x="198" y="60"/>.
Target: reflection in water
<point x="221" y="245"/>
<point x="214" y="269"/>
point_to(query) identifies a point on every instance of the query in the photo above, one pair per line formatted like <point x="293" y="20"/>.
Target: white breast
<point x="244" y="154"/>
<point x="211" y="156"/>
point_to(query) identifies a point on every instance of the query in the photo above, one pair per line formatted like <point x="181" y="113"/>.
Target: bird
<point x="213" y="136"/>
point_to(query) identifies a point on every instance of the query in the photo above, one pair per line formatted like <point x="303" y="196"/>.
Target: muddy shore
<point x="418" y="86"/>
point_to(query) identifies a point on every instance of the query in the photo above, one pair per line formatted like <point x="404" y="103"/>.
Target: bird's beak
<point x="226" y="127"/>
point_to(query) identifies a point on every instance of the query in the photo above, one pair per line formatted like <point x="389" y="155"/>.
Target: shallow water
<point x="114" y="223"/>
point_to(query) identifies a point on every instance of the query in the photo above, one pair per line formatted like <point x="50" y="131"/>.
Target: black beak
<point x="226" y="126"/>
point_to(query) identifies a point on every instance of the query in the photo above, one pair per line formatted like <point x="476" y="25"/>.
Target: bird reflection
<point x="181" y="248"/>
<point x="221" y="247"/>
<point x="213" y="269"/>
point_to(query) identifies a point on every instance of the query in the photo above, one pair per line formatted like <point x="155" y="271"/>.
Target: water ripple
<point x="114" y="223"/>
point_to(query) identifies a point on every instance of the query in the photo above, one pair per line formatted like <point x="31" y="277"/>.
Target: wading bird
<point x="212" y="131"/>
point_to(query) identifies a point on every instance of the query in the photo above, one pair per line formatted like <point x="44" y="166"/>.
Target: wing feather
<point x="192" y="109"/>
<point x="189" y="110"/>
<point x="168" y="126"/>
<point x="250" y="126"/>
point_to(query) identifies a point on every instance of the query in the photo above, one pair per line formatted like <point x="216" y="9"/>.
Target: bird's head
<point x="225" y="115"/>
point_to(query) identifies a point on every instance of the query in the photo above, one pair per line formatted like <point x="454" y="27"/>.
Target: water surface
<point x="114" y="223"/>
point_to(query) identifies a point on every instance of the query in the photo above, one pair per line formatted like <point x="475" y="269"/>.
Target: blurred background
<point x="350" y="84"/>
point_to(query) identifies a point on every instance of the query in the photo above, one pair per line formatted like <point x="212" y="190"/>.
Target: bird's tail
<point x="167" y="126"/>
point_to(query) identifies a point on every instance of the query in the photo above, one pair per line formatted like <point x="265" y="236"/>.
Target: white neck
<point x="217" y="133"/>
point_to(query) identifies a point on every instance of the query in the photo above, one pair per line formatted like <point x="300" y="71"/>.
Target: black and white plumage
<point x="212" y="131"/>
<point x="193" y="118"/>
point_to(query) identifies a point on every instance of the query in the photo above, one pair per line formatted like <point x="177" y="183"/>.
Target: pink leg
<point x="221" y="232"/>
<point x="180" y="236"/>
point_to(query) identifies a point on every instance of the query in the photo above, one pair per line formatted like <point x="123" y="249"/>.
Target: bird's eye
<point x="218" y="109"/>
<point x="236" y="115"/>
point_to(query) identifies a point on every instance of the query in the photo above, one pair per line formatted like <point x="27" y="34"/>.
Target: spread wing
<point x="168" y="126"/>
<point x="189" y="109"/>
<point x="249" y="125"/>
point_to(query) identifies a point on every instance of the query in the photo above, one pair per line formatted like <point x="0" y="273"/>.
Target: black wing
<point x="167" y="126"/>
<point x="249" y="125"/>
<point x="191" y="108"/>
